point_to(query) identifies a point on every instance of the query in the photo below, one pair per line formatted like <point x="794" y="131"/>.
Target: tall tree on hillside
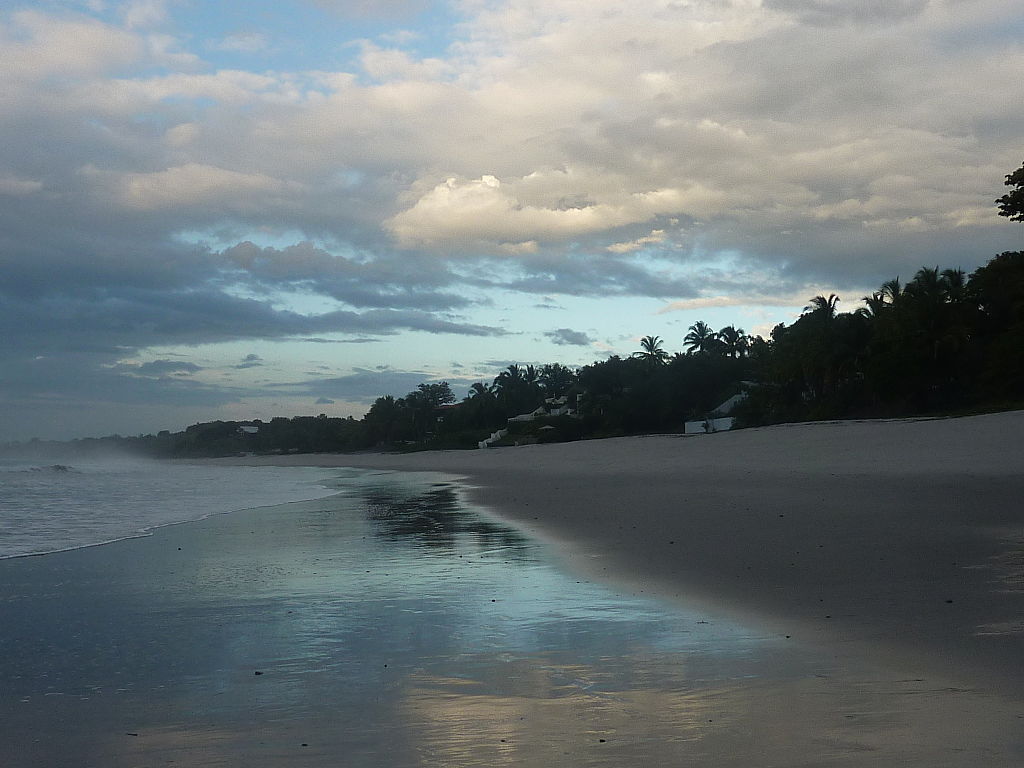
<point x="651" y="351"/>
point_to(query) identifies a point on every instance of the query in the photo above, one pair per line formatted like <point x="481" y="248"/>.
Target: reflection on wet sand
<point x="530" y="715"/>
<point x="394" y="626"/>
<point x="437" y="518"/>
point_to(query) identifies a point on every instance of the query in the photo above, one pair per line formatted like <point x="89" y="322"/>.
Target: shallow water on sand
<point x="394" y="625"/>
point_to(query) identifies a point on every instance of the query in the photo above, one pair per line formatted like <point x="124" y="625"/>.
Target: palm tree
<point x="823" y="307"/>
<point x="517" y="389"/>
<point x="891" y="291"/>
<point x="651" y="351"/>
<point x="509" y="378"/>
<point x="734" y="341"/>
<point x="956" y="284"/>
<point x="875" y="305"/>
<point x="700" y="337"/>
<point x="556" y="379"/>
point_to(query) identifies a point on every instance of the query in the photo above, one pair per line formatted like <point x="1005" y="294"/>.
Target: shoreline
<point x="901" y="540"/>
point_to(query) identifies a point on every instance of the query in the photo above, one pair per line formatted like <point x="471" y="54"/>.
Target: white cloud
<point x="144" y="13"/>
<point x="194" y="184"/>
<point x="656" y="237"/>
<point x="746" y="300"/>
<point x="396" y="64"/>
<point x="16" y="187"/>
<point x="243" y="42"/>
<point x="486" y="211"/>
<point x="36" y="46"/>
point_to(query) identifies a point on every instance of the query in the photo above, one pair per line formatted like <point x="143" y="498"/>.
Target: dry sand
<point x="898" y="540"/>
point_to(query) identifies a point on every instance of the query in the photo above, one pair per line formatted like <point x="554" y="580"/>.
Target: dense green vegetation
<point x="944" y="342"/>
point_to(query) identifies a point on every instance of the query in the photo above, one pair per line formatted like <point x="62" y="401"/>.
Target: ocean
<point x="56" y="507"/>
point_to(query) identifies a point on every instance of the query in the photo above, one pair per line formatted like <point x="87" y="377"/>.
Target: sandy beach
<point x="842" y="594"/>
<point x="902" y="541"/>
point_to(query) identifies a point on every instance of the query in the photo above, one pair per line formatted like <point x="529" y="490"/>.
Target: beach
<point x="901" y="540"/>
<point x="834" y="594"/>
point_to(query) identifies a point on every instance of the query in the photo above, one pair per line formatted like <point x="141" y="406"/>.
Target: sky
<point x="238" y="210"/>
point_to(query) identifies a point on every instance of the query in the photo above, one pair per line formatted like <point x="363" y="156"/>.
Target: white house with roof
<point x="718" y="419"/>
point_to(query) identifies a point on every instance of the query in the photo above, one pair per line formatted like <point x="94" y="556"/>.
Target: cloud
<point x="569" y="337"/>
<point x="366" y="385"/>
<point x="324" y="401"/>
<point x="381" y="282"/>
<point x="251" y="360"/>
<point x="194" y="184"/>
<point x="483" y="210"/>
<point x="707" y="153"/>
<point x="166" y="368"/>
<point x="144" y="13"/>
<point x="830" y="12"/>
<point x="11" y="185"/>
<point x="244" y="42"/>
<point x="313" y="340"/>
<point x="361" y="9"/>
<point x="656" y="237"/>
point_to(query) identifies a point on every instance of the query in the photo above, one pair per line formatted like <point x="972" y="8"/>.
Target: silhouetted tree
<point x="700" y="338"/>
<point x="556" y="379"/>
<point x="734" y="341"/>
<point x="651" y="351"/>
<point x="1011" y="204"/>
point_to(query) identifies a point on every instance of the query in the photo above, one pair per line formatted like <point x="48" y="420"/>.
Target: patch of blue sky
<point x="302" y="36"/>
<point x="986" y="33"/>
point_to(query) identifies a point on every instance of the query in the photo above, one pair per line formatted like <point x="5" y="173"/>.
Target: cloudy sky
<point x="277" y="207"/>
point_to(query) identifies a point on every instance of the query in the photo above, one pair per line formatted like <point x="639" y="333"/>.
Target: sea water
<point x="54" y="507"/>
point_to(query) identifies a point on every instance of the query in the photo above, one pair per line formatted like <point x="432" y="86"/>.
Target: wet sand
<point x="392" y="625"/>
<point x="900" y="541"/>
